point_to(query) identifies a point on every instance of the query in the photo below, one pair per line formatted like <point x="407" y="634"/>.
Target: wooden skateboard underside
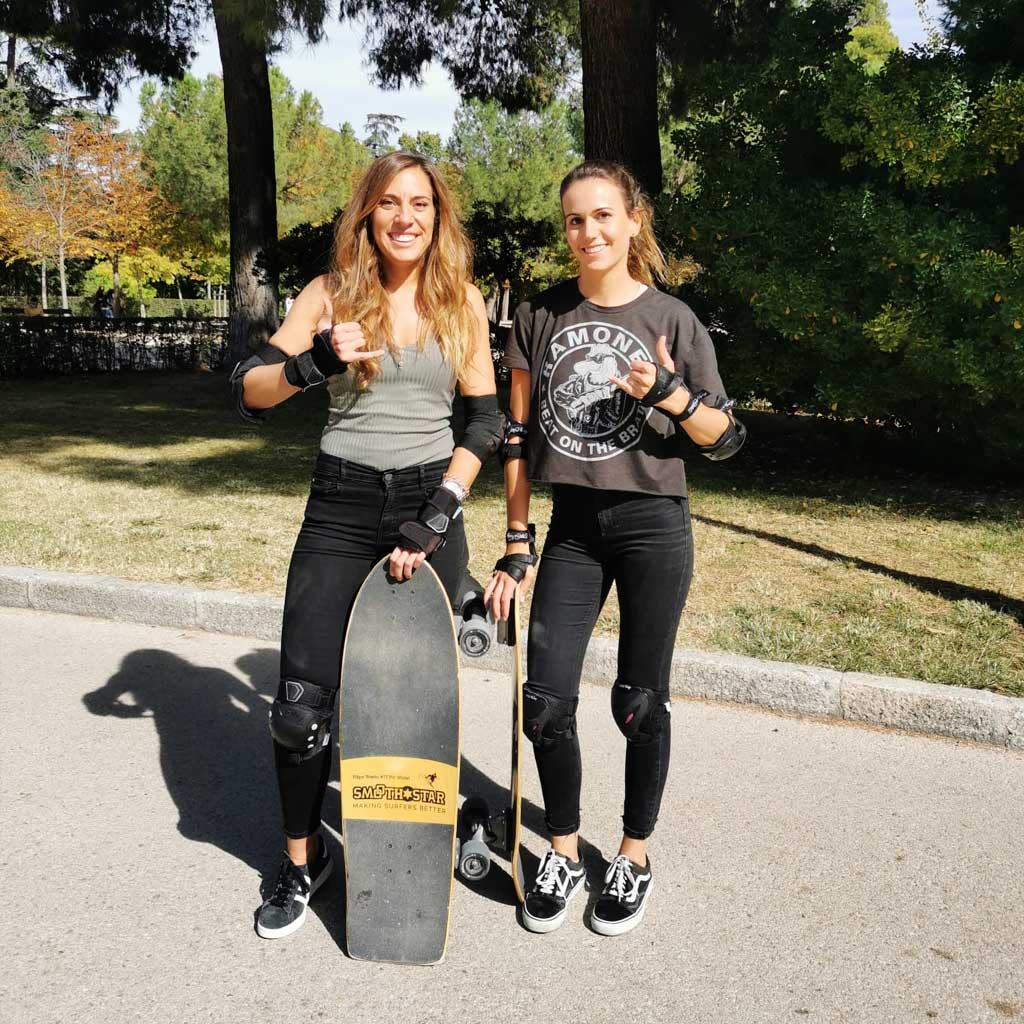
<point x="399" y="744"/>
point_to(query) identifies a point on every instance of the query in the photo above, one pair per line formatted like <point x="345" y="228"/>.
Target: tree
<point x="131" y="212"/>
<point x="861" y="236"/>
<point x="427" y="144"/>
<point x="515" y="159"/>
<point x="184" y="140"/>
<point x="97" y="45"/>
<point x="54" y="198"/>
<point x="183" y="136"/>
<point x="872" y="38"/>
<point x="380" y="129"/>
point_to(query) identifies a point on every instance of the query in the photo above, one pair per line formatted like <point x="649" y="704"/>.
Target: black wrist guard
<point x="513" y="428"/>
<point x="691" y="406"/>
<point x="527" y="536"/>
<point x="427" y="531"/>
<point x="515" y="565"/>
<point x="665" y="383"/>
<point x="312" y="367"/>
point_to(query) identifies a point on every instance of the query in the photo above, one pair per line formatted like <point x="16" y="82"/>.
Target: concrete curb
<point x="778" y="686"/>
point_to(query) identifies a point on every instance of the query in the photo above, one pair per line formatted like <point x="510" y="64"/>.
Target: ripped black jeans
<point x="351" y="522"/>
<point x="644" y="544"/>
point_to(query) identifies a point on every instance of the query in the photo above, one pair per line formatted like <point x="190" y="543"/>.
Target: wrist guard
<point x="312" y="367"/>
<point x="692" y="405"/>
<point x="527" y="536"/>
<point x="427" y="531"/>
<point x="515" y="565"/>
<point x="513" y="428"/>
<point x="665" y="383"/>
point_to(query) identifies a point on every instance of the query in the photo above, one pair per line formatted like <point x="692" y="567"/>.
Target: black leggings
<point x="351" y="521"/>
<point x="643" y="543"/>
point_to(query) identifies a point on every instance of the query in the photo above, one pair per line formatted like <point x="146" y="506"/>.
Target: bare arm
<point x="499" y="592"/>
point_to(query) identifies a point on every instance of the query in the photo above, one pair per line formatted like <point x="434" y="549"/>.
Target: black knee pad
<point x="547" y="720"/>
<point x="641" y="714"/>
<point x="300" y="718"/>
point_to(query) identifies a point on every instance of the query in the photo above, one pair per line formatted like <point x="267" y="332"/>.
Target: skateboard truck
<point x="482" y="832"/>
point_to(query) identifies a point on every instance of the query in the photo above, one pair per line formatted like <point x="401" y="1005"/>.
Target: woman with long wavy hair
<point x="391" y="330"/>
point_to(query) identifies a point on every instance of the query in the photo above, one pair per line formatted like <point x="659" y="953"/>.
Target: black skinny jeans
<point x="351" y="522"/>
<point x="643" y="543"/>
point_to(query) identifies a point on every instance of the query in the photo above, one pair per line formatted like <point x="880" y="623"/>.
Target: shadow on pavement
<point x="214" y="746"/>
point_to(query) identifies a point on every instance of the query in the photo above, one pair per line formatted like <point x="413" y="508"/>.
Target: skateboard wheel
<point x="474" y="860"/>
<point x="475" y="643"/>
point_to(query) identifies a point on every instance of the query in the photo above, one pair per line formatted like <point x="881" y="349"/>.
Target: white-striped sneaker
<point x="285" y="911"/>
<point x="622" y="902"/>
<point x="558" y="880"/>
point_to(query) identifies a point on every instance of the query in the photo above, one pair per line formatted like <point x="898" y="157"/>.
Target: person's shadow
<point x="215" y="747"/>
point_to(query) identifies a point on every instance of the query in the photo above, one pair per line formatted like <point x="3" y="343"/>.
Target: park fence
<point x="40" y="346"/>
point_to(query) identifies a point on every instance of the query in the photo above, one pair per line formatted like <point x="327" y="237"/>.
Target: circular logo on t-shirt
<point x="582" y="413"/>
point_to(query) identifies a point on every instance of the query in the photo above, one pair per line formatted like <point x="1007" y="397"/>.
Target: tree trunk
<point x="115" y="304"/>
<point x="252" y="185"/>
<point x="181" y="298"/>
<point x="142" y="301"/>
<point x="620" y="86"/>
<point x="43" y="282"/>
<point x="63" y="279"/>
<point x="12" y="59"/>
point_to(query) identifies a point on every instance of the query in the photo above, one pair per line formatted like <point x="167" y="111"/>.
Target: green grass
<point x="820" y="543"/>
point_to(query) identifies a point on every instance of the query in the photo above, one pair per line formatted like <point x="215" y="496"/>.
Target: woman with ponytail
<point x="390" y="331"/>
<point x="614" y="383"/>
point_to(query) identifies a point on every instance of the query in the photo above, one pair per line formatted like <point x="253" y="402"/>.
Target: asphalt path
<point x="803" y="870"/>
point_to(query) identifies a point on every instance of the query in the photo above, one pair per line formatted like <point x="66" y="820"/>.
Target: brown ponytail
<point x="646" y="262"/>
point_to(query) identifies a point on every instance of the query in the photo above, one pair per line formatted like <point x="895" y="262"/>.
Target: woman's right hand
<point x="501" y="589"/>
<point x="348" y="341"/>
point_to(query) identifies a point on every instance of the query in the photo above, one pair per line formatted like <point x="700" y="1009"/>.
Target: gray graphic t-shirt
<point x="583" y="429"/>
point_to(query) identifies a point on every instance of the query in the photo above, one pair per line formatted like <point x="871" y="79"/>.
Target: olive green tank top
<point x="402" y="419"/>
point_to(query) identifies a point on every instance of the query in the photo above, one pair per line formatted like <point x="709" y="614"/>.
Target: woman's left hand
<point x="642" y="374"/>
<point x="404" y="563"/>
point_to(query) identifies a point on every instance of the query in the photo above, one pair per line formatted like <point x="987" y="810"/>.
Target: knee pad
<point x="547" y="721"/>
<point x="641" y="714"/>
<point x="300" y="718"/>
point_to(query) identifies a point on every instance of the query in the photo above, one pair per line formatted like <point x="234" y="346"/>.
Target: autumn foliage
<point x="81" y="192"/>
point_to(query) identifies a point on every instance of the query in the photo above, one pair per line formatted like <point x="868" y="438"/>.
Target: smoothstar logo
<point x="405" y="794"/>
<point x="582" y="413"/>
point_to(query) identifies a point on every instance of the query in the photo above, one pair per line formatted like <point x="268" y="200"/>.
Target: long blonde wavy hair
<point x="646" y="262"/>
<point x="356" y="280"/>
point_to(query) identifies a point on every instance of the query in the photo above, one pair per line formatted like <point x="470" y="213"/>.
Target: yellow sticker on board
<point x="409" y="789"/>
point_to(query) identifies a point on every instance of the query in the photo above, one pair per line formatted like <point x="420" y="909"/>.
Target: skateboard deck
<point x="399" y="752"/>
<point x="482" y="829"/>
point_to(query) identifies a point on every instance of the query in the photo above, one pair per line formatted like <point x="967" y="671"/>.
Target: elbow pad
<point x="482" y="432"/>
<point x="265" y="355"/>
<point x="728" y="444"/>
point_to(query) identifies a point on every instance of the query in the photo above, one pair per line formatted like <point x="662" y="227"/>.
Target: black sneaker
<point x="285" y="911"/>
<point x="620" y="907"/>
<point x="558" y="880"/>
